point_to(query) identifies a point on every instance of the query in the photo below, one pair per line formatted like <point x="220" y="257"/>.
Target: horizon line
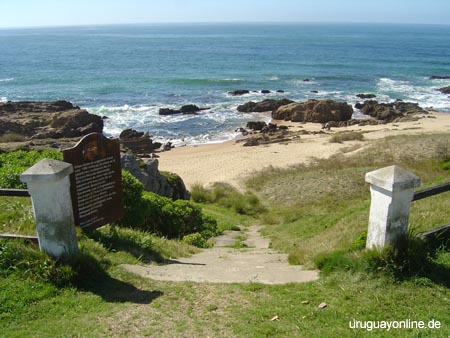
<point x="166" y="23"/>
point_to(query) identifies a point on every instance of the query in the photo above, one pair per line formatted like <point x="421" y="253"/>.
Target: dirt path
<point x="222" y="264"/>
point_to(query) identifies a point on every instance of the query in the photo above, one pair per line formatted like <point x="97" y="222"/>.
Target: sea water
<point x="128" y="72"/>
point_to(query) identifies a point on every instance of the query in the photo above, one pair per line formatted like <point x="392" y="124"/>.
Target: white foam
<point x="7" y="79"/>
<point x="3" y="99"/>
<point x="302" y="82"/>
<point x="426" y="94"/>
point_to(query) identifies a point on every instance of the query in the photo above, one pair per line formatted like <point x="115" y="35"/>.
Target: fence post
<point x="392" y="190"/>
<point x="49" y="186"/>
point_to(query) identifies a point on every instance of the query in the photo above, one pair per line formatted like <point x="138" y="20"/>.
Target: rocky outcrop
<point x="389" y="111"/>
<point x="168" y="185"/>
<point x="262" y="106"/>
<point x="138" y="142"/>
<point x="314" y="111"/>
<point x="445" y="90"/>
<point x="59" y="119"/>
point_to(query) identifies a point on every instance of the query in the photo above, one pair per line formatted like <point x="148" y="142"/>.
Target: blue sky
<point x="26" y="13"/>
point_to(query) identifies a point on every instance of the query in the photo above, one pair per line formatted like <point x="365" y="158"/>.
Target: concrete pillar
<point x="49" y="186"/>
<point x="391" y="189"/>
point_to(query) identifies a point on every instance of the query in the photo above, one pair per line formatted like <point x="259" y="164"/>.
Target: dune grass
<point x="327" y="206"/>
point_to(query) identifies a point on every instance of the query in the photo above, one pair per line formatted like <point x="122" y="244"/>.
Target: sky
<point x="34" y="13"/>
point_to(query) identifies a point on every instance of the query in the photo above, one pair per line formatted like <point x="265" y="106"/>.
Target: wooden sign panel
<point x="96" y="183"/>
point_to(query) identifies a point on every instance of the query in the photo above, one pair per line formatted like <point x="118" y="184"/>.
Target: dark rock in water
<point x="314" y="111"/>
<point x="314" y="91"/>
<point x="366" y="96"/>
<point x="186" y="109"/>
<point x="265" y="91"/>
<point x="359" y="105"/>
<point x="256" y="125"/>
<point x="390" y="111"/>
<point x="263" y="106"/>
<point x="189" y="108"/>
<point x="239" y="92"/>
<point x="306" y="80"/>
<point x="280" y="91"/>
<point x="161" y="183"/>
<point x="438" y="77"/>
<point x="168" y="111"/>
<point x="59" y="119"/>
<point x="445" y="90"/>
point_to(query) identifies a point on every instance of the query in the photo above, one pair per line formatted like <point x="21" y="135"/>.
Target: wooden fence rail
<point x="431" y="191"/>
<point x="14" y="192"/>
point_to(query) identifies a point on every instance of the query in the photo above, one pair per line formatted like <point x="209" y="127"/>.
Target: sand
<point x="232" y="162"/>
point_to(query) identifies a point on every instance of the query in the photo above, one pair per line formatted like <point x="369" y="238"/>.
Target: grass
<point x="317" y="214"/>
<point x="16" y="216"/>
<point x="225" y="195"/>
<point x="328" y="202"/>
<point x="11" y="137"/>
<point x="341" y="137"/>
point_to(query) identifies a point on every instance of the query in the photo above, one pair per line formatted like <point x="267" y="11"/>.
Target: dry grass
<point x="11" y="137"/>
<point x="347" y="136"/>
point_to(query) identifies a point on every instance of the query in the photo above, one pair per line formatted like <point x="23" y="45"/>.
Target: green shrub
<point x="161" y="215"/>
<point x="12" y="164"/>
<point x="134" y="207"/>
<point x="196" y="239"/>
<point x="176" y="182"/>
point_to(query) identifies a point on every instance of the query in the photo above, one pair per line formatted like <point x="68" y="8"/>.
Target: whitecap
<point x="7" y="79"/>
<point x="3" y="99"/>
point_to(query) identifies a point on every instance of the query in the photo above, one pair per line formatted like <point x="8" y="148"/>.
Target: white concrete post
<point x="49" y="186"/>
<point x="392" y="190"/>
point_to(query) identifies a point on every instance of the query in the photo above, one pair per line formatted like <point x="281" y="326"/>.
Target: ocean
<point x="128" y="72"/>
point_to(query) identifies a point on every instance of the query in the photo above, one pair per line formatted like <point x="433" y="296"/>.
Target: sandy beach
<point x="232" y="162"/>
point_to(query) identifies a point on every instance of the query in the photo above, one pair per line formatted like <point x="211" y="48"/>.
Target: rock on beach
<point x="59" y="119"/>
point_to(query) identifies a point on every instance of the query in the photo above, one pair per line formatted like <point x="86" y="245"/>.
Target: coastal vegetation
<point x="316" y="213"/>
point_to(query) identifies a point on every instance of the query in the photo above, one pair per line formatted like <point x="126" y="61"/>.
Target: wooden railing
<point x="418" y="195"/>
<point x="431" y="191"/>
<point x="14" y="192"/>
<point x="17" y="193"/>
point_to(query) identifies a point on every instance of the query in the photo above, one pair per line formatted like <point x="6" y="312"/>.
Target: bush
<point x="161" y="215"/>
<point x="176" y="182"/>
<point x="196" y="239"/>
<point x="12" y="164"/>
<point x="134" y="208"/>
